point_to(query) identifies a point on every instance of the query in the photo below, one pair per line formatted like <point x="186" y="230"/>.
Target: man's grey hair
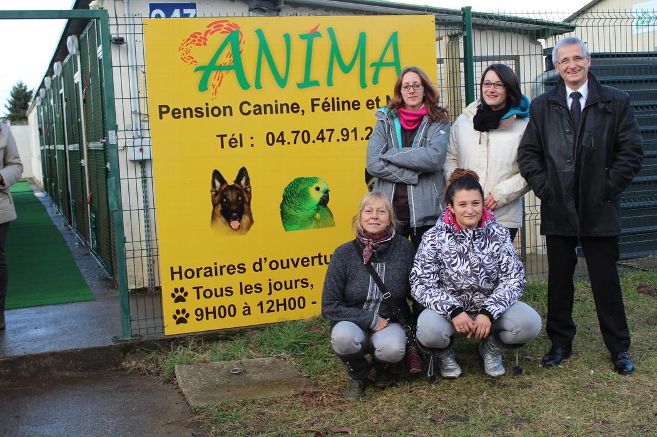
<point x="571" y="40"/>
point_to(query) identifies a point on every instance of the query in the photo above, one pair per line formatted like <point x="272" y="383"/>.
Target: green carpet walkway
<point x="41" y="268"/>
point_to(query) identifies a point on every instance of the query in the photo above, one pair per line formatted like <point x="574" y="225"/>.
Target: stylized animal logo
<point x="200" y="39"/>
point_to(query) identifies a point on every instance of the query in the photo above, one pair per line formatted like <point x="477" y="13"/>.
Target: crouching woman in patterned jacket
<point x="469" y="278"/>
<point x="368" y="318"/>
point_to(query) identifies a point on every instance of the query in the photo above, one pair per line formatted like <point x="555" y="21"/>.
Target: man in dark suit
<point x="581" y="149"/>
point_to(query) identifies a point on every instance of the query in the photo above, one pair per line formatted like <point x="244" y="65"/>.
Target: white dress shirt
<point x="583" y="90"/>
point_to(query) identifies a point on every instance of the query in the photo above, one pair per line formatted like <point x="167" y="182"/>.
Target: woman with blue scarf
<point x="485" y="139"/>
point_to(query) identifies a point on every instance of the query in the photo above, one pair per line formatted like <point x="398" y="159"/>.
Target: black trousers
<point x="415" y="234"/>
<point x="601" y="255"/>
<point x="4" y="228"/>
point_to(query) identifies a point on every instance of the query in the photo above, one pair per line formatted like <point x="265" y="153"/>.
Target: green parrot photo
<point x="305" y="205"/>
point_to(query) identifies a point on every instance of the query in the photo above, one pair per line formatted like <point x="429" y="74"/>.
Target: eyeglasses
<point x="495" y="85"/>
<point x="407" y="87"/>
<point x="567" y="61"/>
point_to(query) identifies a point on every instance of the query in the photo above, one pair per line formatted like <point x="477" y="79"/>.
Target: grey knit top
<point x="351" y="294"/>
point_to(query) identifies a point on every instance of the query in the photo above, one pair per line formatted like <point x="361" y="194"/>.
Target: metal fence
<point x="624" y="48"/>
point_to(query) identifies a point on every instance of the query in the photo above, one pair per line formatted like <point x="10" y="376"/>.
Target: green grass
<point x="582" y="397"/>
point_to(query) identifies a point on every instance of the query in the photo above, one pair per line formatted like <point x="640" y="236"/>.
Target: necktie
<point x="576" y="112"/>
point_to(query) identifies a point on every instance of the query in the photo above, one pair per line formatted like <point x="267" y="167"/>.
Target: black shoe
<point x="383" y="377"/>
<point x="556" y="355"/>
<point x="355" y="389"/>
<point x="623" y="363"/>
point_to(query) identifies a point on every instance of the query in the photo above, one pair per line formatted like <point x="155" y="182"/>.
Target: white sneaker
<point x="493" y="358"/>
<point x="449" y="368"/>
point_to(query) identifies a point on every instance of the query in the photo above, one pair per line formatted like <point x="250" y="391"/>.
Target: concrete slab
<point x="208" y="383"/>
<point x="108" y="403"/>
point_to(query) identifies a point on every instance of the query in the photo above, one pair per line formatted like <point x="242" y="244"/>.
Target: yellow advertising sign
<point x="259" y="129"/>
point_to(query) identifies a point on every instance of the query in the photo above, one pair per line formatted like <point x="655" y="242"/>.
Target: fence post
<point x="114" y="180"/>
<point x="468" y="55"/>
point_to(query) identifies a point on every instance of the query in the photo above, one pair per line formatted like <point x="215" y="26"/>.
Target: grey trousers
<point x="387" y="345"/>
<point x="519" y="324"/>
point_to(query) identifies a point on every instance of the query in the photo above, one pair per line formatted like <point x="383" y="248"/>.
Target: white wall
<point x="23" y="136"/>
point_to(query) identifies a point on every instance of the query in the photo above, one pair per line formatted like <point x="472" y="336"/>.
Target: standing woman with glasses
<point x="485" y="139"/>
<point x="406" y="153"/>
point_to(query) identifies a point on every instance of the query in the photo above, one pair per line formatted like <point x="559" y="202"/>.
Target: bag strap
<point x="382" y="287"/>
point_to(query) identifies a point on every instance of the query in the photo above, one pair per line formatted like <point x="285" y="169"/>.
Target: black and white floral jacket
<point x="471" y="270"/>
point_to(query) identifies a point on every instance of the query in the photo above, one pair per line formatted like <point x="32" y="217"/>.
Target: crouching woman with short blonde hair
<point x="360" y="312"/>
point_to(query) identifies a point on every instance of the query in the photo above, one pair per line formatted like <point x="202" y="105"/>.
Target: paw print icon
<point x="179" y="295"/>
<point x="181" y="316"/>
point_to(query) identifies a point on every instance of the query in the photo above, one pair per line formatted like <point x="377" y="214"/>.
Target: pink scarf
<point x="450" y="219"/>
<point x="410" y="119"/>
<point x="371" y="241"/>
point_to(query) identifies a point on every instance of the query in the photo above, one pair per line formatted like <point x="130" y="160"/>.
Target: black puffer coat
<point x="608" y="156"/>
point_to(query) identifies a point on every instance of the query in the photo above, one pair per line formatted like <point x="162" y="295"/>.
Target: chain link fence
<point x="624" y="49"/>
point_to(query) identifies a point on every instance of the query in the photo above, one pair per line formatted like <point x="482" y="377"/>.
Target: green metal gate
<point x="79" y="216"/>
<point x="94" y="113"/>
<point x="636" y="74"/>
<point x="62" y="199"/>
<point x="50" y="178"/>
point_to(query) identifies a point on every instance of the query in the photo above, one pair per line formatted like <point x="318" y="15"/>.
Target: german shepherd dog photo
<point x="231" y="204"/>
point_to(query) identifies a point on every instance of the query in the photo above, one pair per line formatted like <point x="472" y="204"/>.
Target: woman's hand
<point x="381" y="324"/>
<point x="490" y="202"/>
<point x="481" y="327"/>
<point x="463" y="324"/>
